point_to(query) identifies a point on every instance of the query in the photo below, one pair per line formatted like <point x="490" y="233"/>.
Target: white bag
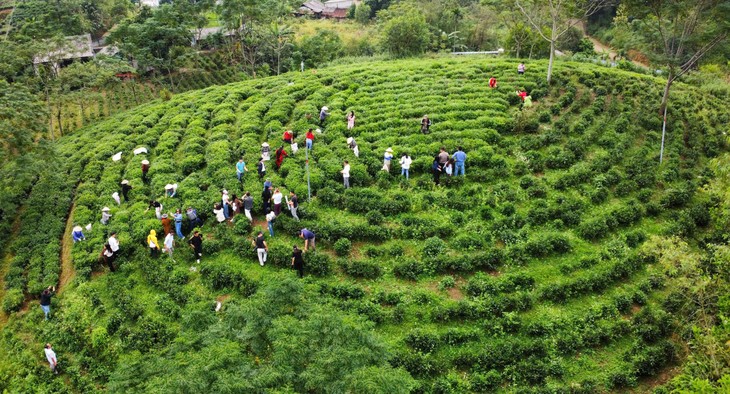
<point x="294" y="148"/>
<point x="117" y="156"/>
<point x="140" y="150"/>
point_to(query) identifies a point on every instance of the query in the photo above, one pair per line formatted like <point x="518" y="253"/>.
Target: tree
<point x="362" y="13"/>
<point x="320" y="48"/>
<point x="551" y="19"/>
<point x="157" y="39"/>
<point x="279" y="41"/>
<point x="406" y="34"/>
<point x="677" y="34"/>
<point x="22" y="119"/>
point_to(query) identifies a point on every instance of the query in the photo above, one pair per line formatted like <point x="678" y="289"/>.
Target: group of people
<point x="451" y="165"/>
<point x="297" y="260"/>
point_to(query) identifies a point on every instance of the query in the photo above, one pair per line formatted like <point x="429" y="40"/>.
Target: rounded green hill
<point x="532" y="273"/>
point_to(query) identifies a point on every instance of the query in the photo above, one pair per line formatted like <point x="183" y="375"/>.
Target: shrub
<point x="422" y="340"/>
<point x="13" y="301"/>
<point x="409" y="269"/>
<point x="342" y="247"/>
<point x="374" y="218"/>
<point x="434" y="247"/>
<point x="362" y="269"/>
<point x="318" y="264"/>
<point x="447" y="282"/>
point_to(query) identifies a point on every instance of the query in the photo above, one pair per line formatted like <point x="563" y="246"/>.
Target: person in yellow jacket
<point x="152" y="243"/>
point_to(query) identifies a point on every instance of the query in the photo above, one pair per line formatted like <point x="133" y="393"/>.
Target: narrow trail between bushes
<point x="68" y="272"/>
<point x="5" y="265"/>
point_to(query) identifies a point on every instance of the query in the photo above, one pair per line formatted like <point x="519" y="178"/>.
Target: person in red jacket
<point x="288" y="137"/>
<point x="492" y="82"/>
<point x="522" y="94"/>
<point x="309" y="139"/>
<point x="280" y="155"/>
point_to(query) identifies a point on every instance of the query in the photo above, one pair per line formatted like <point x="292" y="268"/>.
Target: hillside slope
<point x="535" y="271"/>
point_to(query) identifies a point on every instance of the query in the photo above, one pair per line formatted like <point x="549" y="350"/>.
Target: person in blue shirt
<point x="240" y="169"/>
<point x="78" y="234"/>
<point x="459" y="158"/>
<point x="178" y="223"/>
<point x="308" y="237"/>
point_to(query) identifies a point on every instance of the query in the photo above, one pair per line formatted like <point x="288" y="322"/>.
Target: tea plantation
<point x="536" y="272"/>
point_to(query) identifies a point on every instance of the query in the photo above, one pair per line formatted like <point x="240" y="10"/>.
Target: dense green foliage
<point x="532" y="273"/>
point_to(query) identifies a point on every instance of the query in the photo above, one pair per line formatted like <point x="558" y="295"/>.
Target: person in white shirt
<point x="346" y="174"/>
<point x="105" y="215"/>
<point x="169" y="244"/>
<point x="113" y="245"/>
<point x="219" y="215"/>
<point x="405" y="164"/>
<point x="270" y="217"/>
<point x="276" y="199"/>
<point x="51" y="357"/>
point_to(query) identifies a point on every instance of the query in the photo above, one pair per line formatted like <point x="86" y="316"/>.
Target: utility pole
<point x="664" y="131"/>
<point x="309" y="187"/>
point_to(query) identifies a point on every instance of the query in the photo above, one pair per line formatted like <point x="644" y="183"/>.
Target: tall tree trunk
<point x="550" y="63"/>
<point x="50" y="114"/>
<point x="665" y="97"/>
<point x="58" y="120"/>
<point x="134" y="93"/>
<point x="81" y="107"/>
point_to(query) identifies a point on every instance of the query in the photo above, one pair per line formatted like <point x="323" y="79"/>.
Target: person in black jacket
<point x="46" y="300"/>
<point x="266" y="199"/>
<point x="125" y="189"/>
<point x="297" y="261"/>
<point x="196" y="242"/>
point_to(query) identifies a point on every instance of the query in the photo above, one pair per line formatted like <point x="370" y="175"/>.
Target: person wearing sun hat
<point x="323" y="114"/>
<point x="353" y="145"/>
<point x="125" y="189"/>
<point x="387" y="157"/>
<point x="78" y="234"/>
<point x="145" y="168"/>
<point x="171" y="190"/>
<point x="105" y="216"/>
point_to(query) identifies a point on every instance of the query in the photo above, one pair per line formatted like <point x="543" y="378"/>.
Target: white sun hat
<point x="325" y="108"/>
<point x="389" y="150"/>
<point x="125" y="182"/>
<point x="77" y="228"/>
<point x="140" y="150"/>
<point x="117" y="156"/>
<point x="349" y="140"/>
<point x="145" y="162"/>
<point x="265" y="144"/>
<point x="105" y="209"/>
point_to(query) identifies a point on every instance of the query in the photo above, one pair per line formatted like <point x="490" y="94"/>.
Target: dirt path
<point x="602" y="48"/>
<point x="68" y="272"/>
<point x="5" y="265"/>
